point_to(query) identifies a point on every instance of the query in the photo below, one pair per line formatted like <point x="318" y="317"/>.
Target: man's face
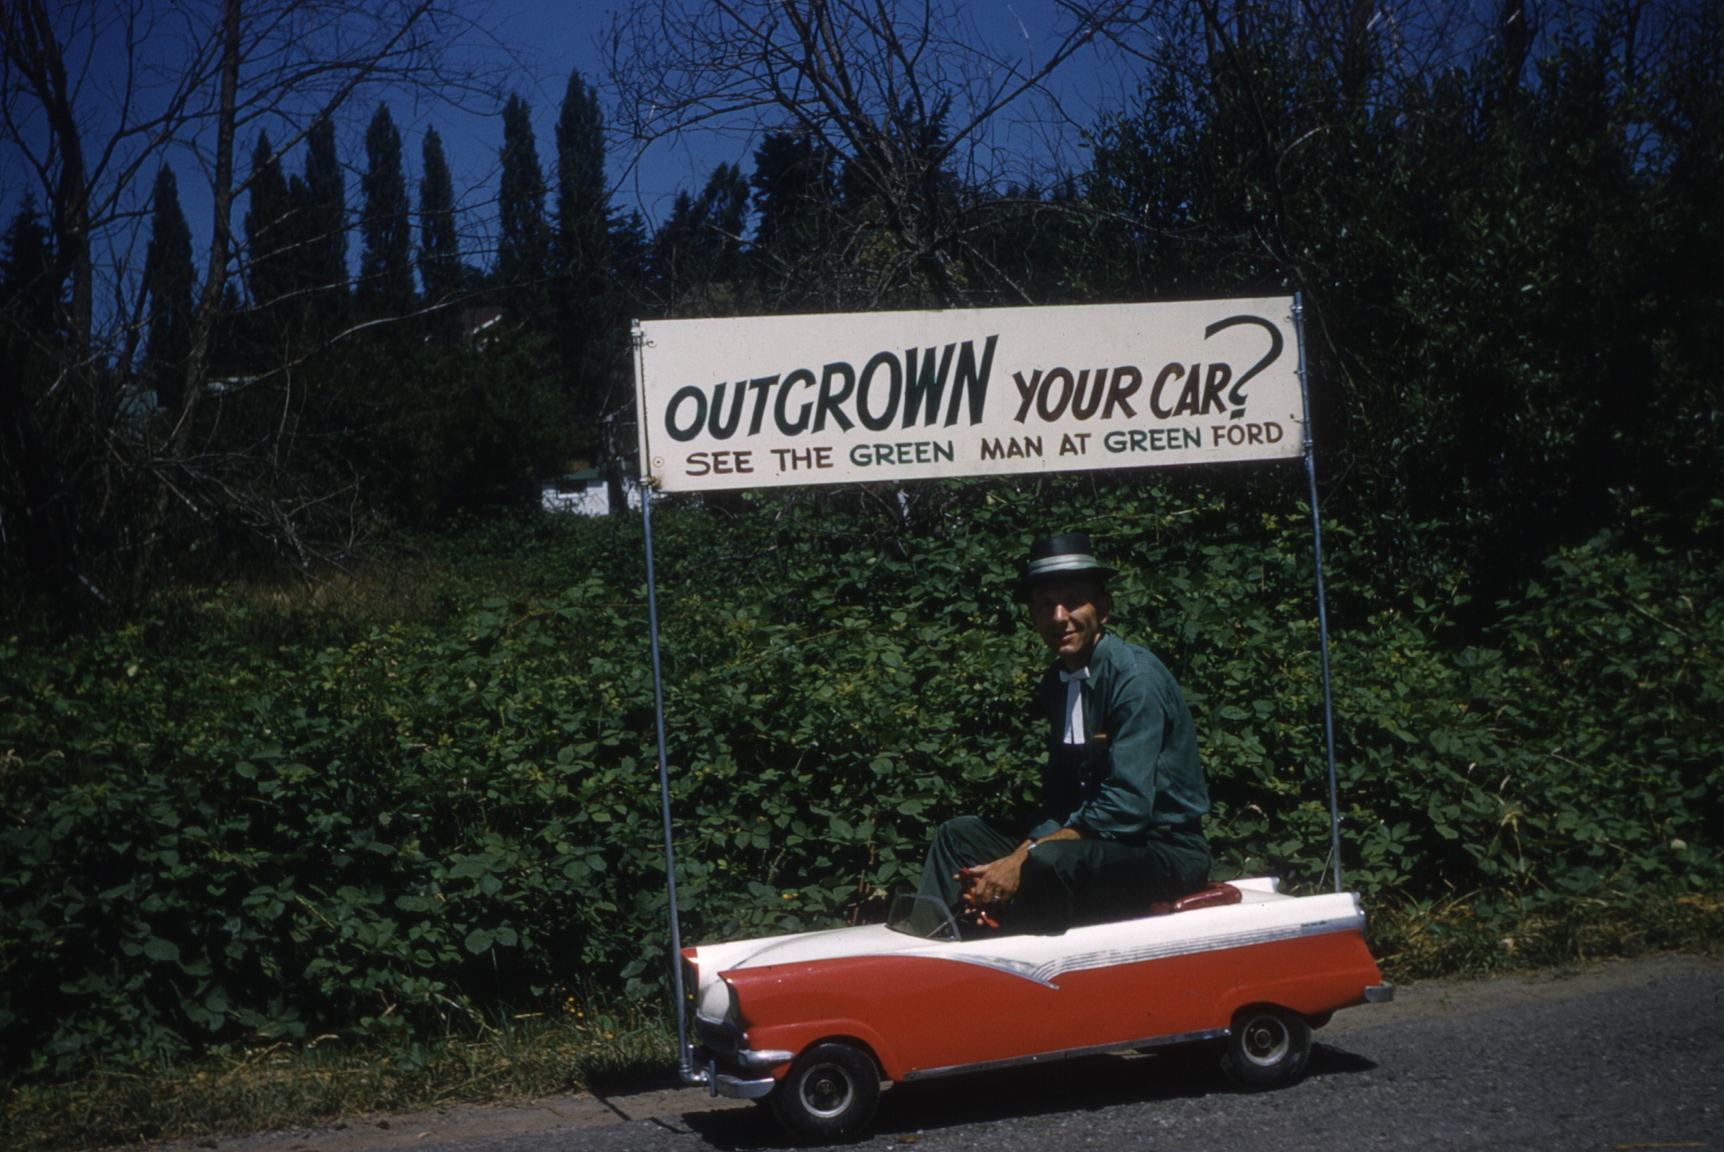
<point x="1068" y="612"/>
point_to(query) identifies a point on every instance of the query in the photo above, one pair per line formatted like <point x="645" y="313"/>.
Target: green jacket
<point x="1139" y="771"/>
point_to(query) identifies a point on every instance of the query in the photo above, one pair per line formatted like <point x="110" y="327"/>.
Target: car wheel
<point x="829" y="1095"/>
<point x="1268" y="1048"/>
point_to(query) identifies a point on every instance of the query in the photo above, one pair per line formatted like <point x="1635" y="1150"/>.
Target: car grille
<point x="719" y="1038"/>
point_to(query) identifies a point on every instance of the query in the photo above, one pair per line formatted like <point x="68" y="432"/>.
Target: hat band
<point x="1069" y="562"/>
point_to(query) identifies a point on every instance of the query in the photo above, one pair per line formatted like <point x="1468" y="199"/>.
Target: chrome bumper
<point x="700" y="1069"/>
<point x="736" y="1088"/>
<point x="1379" y="993"/>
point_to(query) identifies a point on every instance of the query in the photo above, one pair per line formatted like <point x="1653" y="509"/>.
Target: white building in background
<point x="585" y="493"/>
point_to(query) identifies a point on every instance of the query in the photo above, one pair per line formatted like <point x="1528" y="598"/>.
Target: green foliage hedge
<point x="228" y="823"/>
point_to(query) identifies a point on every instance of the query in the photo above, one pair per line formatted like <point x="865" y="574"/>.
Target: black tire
<point x="830" y="1094"/>
<point x="1267" y="1049"/>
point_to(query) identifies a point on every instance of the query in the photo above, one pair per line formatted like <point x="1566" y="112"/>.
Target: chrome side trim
<point x="1045" y="972"/>
<point x="1069" y="1053"/>
<point x="1379" y="993"/>
<point x="737" y="1088"/>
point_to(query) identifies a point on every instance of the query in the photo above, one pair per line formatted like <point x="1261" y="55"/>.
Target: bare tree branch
<point x="94" y="96"/>
<point x="903" y="93"/>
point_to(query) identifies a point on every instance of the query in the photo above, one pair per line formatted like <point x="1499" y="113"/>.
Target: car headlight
<point x="717" y="1003"/>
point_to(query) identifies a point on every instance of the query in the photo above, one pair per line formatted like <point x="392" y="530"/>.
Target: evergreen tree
<point x="631" y="255"/>
<point x="803" y="257"/>
<point x="168" y="284"/>
<point x="269" y="265"/>
<point x="38" y="537"/>
<point x="385" y="229"/>
<point x="439" y="250"/>
<point x="27" y="284"/>
<point x="700" y="243"/>
<point x="320" y="229"/>
<point x="522" y="248"/>
<point x="793" y="180"/>
<point x="674" y="248"/>
<point x="583" y="204"/>
<point x="586" y="303"/>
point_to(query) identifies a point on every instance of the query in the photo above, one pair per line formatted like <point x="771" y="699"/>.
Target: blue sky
<point x="552" y="37"/>
<point x="530" y="45"/>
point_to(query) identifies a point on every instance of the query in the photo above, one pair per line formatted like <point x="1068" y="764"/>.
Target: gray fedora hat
<point x="1068" y="554"/>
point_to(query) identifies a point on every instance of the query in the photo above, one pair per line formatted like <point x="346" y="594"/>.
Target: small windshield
<point x="921" y="916"/>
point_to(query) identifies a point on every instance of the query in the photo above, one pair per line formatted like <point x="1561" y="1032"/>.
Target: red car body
<point x="1202" y="974"/>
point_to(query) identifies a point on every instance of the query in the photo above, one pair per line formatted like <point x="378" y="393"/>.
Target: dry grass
<point x="1452" y="938"/>
<point x="287" y="1085"/>
<point x="387" y="585"/>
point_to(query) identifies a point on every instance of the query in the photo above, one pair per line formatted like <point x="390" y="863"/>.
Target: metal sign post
<point x="646" y="491"/>
<point x="1310" y="454"/>
<point x="664" y="787"/>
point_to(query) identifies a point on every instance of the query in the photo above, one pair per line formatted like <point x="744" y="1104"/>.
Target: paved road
<point x="1623" y="1057"/>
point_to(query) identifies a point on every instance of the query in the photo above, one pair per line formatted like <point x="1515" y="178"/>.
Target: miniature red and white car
<point x="812" y="1022"/>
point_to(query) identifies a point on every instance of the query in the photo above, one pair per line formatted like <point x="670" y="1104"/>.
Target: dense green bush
<point x="227" y="823"/>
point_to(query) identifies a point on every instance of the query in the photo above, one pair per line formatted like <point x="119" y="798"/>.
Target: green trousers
<point x="1068" y="883"/>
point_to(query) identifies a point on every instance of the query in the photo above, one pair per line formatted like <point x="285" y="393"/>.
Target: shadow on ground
<point x="1090" y="1084"/>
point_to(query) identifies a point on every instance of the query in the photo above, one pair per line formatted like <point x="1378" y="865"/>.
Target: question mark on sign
<point x="1237" y="395"/>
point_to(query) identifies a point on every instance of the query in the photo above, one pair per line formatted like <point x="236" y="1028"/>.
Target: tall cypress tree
<point x="167" y="282"/>
<point x="27" y="283"/>
<point x="522" y="248"/>
<point x="439" y="250"/>
<point x="269" y="253"/>
<point x="583" y="204"/>
<point x="320" y="226"/>
<point x="385" y="229"/>
<point x="586" y="307"/>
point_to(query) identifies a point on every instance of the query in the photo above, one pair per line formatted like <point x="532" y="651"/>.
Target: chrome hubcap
<point x="827" y="1091"/>
<point x="1265" y="1040"/>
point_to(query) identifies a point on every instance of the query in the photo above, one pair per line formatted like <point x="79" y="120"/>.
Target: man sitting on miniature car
<point x="1119" y="827"/>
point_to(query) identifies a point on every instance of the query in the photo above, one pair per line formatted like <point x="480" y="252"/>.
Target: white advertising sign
<point x="771" y="400"/>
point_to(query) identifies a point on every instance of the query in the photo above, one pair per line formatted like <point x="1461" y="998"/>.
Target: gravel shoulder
<point x="670" y="1107"/>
